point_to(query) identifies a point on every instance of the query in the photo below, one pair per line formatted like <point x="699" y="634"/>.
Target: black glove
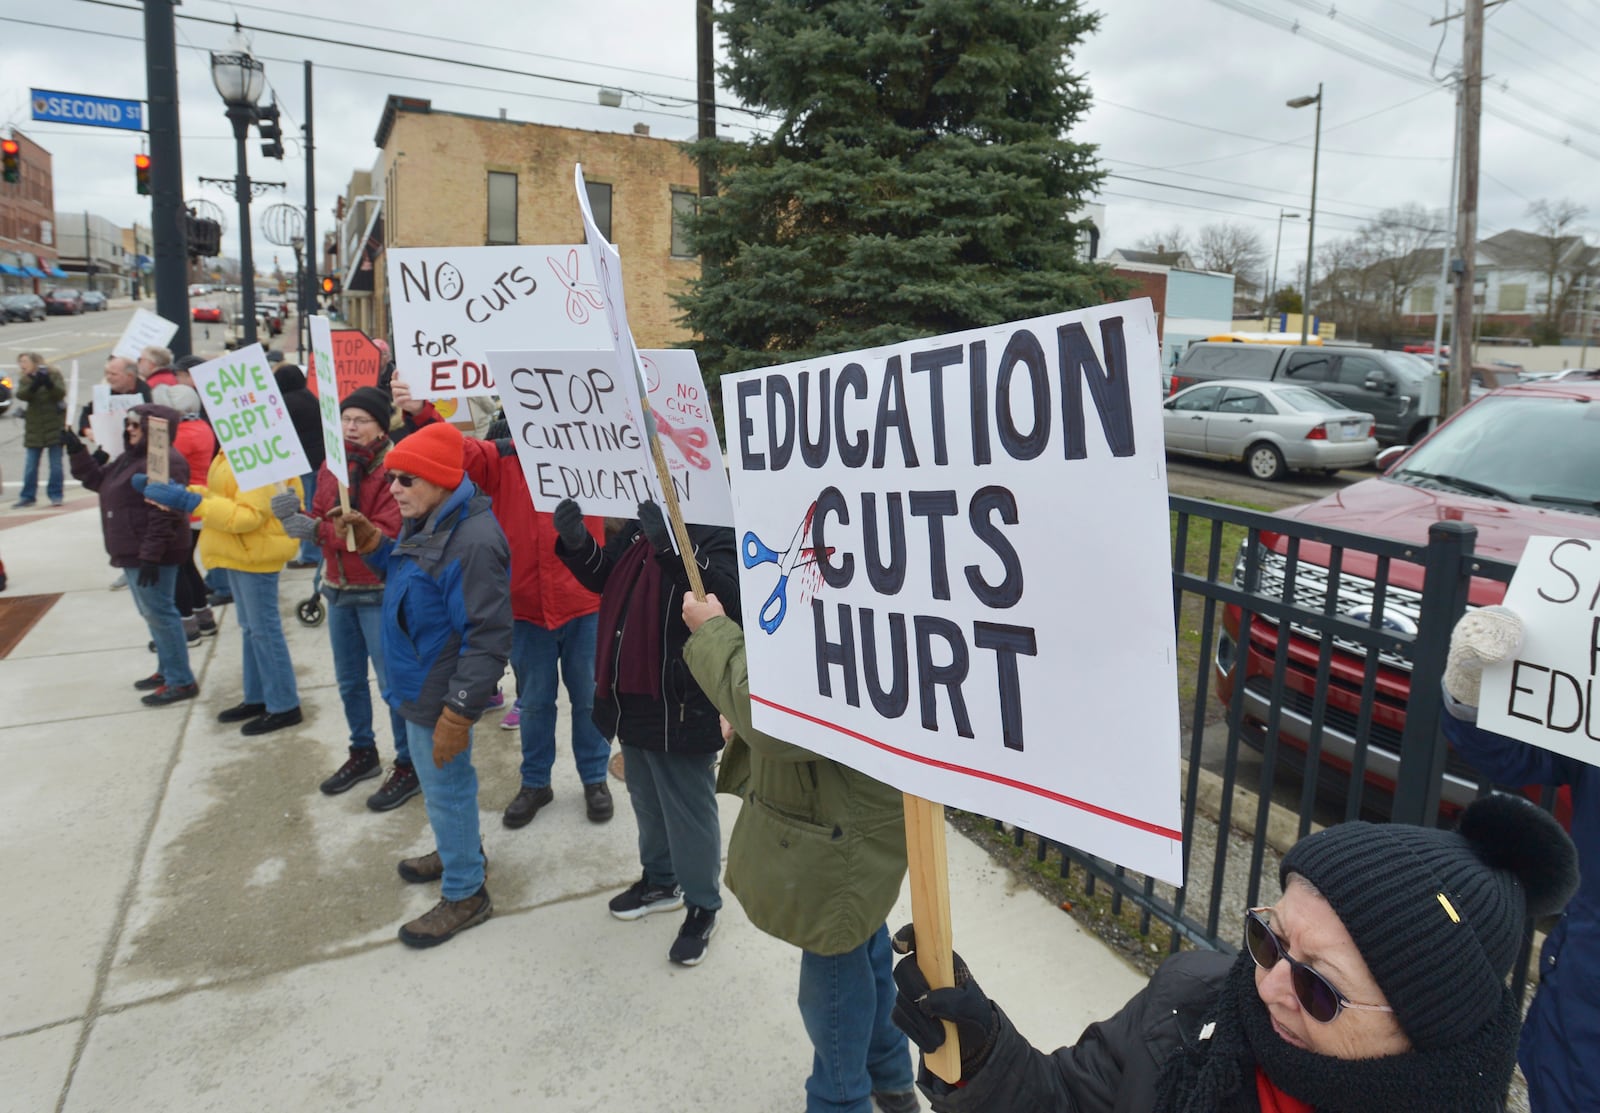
<point x="655" y="528"/>
<point x="568" y="519"/>
<point x="149" y="573"/>
<point x="918" y="1010"/>
<point x="70" y="439"/>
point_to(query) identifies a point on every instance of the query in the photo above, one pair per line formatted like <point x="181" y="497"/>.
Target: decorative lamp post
<point x="240" y="79"/>
<point x="1311" y="220"/>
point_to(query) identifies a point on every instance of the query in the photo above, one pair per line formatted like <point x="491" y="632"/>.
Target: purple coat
<point x="134" y="530"/>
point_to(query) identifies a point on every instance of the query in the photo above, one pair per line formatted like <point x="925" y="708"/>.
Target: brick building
<point x="28" y="248"/>
<point x="445" y="178"/>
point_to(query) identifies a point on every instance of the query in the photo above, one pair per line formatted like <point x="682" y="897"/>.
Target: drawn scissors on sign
<point x="689" y="441"/>
<point x="755" y="552"/>
<point x="578" y="292"/>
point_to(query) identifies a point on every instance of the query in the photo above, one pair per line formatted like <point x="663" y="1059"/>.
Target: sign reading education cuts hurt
<point x="954" y="561"/>
<point x="1545" y="694"/>
<point x="247" y="413"/>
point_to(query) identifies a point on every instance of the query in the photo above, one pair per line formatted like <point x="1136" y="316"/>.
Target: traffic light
<point x="11" y="151"/>
<point x="141" y="173"/>
<point x="271" y="132"/>
<point x="330" y="286"/>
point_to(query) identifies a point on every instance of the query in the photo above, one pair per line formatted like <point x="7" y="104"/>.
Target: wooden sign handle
<point x="344" y="506"/>
<point x="930" y="914"/>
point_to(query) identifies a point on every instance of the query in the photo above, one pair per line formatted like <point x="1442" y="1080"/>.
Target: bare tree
<point x="1347" y="285"/>
<point x="1399" y="245"/>
<point x="1168" y="243"/>
<point x="1233" y="249"/>
<point x="1556" y="250"/>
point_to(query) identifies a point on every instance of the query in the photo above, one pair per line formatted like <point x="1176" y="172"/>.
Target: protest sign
<point x="72" y="396"/>
<point x="158" y="440"/>
<point x="247" y="413"/>
<point x="1545" y="694"/>
<point x="973" y="533"/>
<point x="144" y="329"/>
<point x="324" y="370"/>
<point x="575" y="421"/>
<point x="105" y="417"/>
<point x="451" y="305"/>
<point x="359" y="361"/>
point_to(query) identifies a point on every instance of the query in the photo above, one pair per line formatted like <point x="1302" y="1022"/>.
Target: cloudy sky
<point x="1189" y="96"/>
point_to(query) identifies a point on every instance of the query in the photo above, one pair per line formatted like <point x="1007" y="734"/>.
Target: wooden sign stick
<point x="344" y="506"/>
<point x="664" y="477"/>
<point x="158" y="442"/>
<point x="930" y="914"/>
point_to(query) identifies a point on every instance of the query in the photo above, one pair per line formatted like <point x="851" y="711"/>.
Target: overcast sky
<point x="1221" y="70"/>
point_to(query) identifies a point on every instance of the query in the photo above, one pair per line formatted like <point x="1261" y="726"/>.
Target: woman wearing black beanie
<point x="1377" y="982"/>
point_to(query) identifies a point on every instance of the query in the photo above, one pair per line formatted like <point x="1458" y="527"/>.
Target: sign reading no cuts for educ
<point x="77" y="108"/>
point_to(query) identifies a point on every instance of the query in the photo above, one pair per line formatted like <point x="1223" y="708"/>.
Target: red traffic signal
<point x="141" y="172"/>
<point x="11" y="157"/>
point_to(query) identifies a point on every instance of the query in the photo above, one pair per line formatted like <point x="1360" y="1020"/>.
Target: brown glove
<point x="353" y="523"/>
<point x="450" y="736"/>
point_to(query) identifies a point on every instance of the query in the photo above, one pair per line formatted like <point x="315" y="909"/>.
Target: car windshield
<point x="1539" y="450"/>
<point x="1306" y="400"/>
<point x="1411" y="366"/>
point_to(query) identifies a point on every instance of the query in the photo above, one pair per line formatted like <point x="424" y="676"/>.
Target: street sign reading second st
<point x="77" y="108"/>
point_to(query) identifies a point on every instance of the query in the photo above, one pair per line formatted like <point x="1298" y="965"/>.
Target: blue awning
<point x="14" y="272"/>
<point x="34" y="272"/>
<point x="57" y="272"/>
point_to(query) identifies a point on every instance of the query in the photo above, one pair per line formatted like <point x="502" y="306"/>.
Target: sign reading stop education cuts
<point x="956" y="575"/>
<point x="247" y="413"/>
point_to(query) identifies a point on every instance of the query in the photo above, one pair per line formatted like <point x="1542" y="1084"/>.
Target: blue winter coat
<point x="446" y="609"/>
<point x="1563" y="1026"/>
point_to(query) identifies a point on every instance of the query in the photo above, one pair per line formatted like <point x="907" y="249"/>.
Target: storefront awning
<point x="14" y="272"/>
<point x="57" y="272"/>
<point x="34" y="272"/>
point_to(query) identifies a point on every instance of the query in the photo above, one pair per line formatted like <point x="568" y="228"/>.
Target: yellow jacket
<point x="237" y="528"/>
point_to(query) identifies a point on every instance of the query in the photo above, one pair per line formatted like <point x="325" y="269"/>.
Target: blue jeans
<point x="674" y="799"/>
<point x="160" y="613"/>
<point x="355" y="629"/>
<point x="846" y="1001"/>
<point x="535" y="655"/>
<point x="268" y="672"/>
<point x="30" y="473"/>
<point x="451" y="796"/>
<point x="217" y="581"/>
<point x="309" y="549"/>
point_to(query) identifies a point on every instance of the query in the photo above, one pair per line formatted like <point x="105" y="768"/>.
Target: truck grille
<point x="1402" y="608"/>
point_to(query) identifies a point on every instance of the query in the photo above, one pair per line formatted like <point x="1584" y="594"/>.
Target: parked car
<point x="1519" y="462"/>
<point x="207" y="313"/>
<point x="1401" y="391"/>
<point x="23" y="307"/>
<point x="7" y="394"/>
<point x="1272" y="427"/>
<point x="63" y="301"/>
<point x="269" y="318"/>
<point x="94" y="301"/>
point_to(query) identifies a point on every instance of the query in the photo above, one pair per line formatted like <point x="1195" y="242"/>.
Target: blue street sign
<point x="98" y="112"/>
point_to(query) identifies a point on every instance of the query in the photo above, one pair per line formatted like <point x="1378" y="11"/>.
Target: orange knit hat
<point x="433" y="452"/>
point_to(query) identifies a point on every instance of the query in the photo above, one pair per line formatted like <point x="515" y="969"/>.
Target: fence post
<point x="1447" y="573"/>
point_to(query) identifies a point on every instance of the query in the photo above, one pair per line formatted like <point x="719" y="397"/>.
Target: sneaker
<point x="207" y="622"/>
<point x="497" y="700"/>
<point x="445" y="919"/>
<point x="165" y="695"/>
<point x="430" y="867"/>
<point x="698" y="928"/>
<point x="239" y="712"/>
<point x="149" y="683"/>
<point x="401" y="785"/>
<point x="270" y="721"/>
<point x="22" y="504"/>
<point x="520" y="812"/>
<point x="361" y="765"/>
<point x="513" y="719"/>
<point x="192" y="638"/>
<point x="57" y="504"/>
<point x="597" y="802"/>
<point x="120" y="582"/>
<point x="217" y="599"/>
<point x="897" y="1101"/>
<point x="642" y="898"/>
<point x="298" y="564"/>
<point x="191" y="630"/>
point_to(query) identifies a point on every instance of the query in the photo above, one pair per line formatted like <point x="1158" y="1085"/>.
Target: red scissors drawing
<point x="688" y="440"/>
<point x="580" y="295"/>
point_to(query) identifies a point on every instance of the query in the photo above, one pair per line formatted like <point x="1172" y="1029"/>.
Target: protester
<point x="828" y="896"/>
<point x="181" y="368"/>
<point x="307" y="418"/>
<point x="1378" y="981"/>
<point x="41" y="387"/>
<point x="198" y="445"/>
<point x="122" y="376"/>
<point x="555" y="626"/>
<point x="239" y="532"/>
<point x="355" y="595"/>
<point x="1563" y="1024"/>
<point x="446" y="637"/>
<point x="155" y="366"/>
<point x="645" y="697"/>
<point x="147" y="539"/>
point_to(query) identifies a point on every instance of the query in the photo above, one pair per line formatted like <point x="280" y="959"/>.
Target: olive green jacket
<point x="42" y="424"/>
<point x="818" y="852"/>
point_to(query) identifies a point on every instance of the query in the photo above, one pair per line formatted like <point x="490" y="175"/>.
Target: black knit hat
<point x="1438" y="915"/>
<point x="371" y="399"/>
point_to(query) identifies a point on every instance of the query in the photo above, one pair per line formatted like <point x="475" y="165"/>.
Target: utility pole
<point x="1447" y="249"/>
<point x="88" y="254"/>
<point x="308" y="281"/>
<point x="168" y="220"/>
<point x="706" y="88"/>
<point x="1467" y="209"/>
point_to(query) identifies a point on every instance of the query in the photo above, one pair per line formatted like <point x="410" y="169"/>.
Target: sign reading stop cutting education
<point x="247" y="413"/>
<point x="954" y="560"/>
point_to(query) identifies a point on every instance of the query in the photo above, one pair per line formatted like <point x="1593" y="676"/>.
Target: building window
<point x="502" y="207"/>
<point x="600" y="206"/>
<point x="1422" y="299"/>
<point x="1514" y="297"/>
<point x="683" y="207"/>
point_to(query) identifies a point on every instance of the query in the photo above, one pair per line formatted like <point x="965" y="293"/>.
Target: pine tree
<point x="919" y="180"/>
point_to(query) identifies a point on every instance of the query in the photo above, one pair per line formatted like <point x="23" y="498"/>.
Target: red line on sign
<point x="1082" y="805"/>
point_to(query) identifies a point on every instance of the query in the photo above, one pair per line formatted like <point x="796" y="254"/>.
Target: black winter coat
<point x="134" y="530"/>
<point x="682" y="720"/>
<point x="303" y="411"/>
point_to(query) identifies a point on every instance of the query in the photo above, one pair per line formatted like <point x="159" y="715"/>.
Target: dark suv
<point x="1400" y="391"/>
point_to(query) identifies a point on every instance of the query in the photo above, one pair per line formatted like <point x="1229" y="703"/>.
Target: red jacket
<point x="196" y="443"/>
<point x="369" y="493"/>
<point x="543" y="592"/>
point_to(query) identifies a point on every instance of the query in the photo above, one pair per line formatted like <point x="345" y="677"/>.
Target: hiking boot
<point x="642" y="898"/>
<point x="271" y="721"/>
<point x="217" y="599"/>
<point x="192" y="637"/>
<point x="441" y="923"/>
<point x="239" y="712"/>
<point x="361" y="765"/>
<point x="149" y="683"/>
<point x="897" y="1101"/>
<point x="401" y="785"/>
<point x="597" y="802"/>
<point x="693" y="937"/>
<point x="165" y="695"/>
<point x="526" y="805"/>
<point x="207" y="622"/>
<point x="22" y="504"/>
<point x="512" y="719"/>
<point x="430" y="867"/>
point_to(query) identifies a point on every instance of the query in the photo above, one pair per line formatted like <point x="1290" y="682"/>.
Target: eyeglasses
<point x="1321" y="1001"/>
<point x="402" y="479"/>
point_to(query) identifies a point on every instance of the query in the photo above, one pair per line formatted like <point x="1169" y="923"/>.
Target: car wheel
<point x="1265" y="461"/>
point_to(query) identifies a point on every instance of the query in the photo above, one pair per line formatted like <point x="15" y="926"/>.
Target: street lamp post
<point x="1277" y="250"/>
<point x="1311" y="219"/>
<point x="240" y="78"/>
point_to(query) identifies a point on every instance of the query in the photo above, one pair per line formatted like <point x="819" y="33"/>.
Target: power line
<point x="1298" y="197"/>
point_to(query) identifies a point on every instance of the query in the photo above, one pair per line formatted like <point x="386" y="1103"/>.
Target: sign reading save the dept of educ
<point x="247" y="413"/>
<point x="55" y="107"/>
<point x="325" y="373"/>
<point x="1546" y="693"/>
<point x="955" y="573"/>
<point x="452" y="305"/>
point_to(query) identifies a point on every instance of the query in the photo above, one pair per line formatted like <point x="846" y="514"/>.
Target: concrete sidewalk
<point x="193" y="926"/>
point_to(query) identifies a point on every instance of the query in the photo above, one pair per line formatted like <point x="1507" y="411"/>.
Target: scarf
<point x="363" y="460"/>
<point x="628" y="651"/>
<point x="1219" y="1075"/>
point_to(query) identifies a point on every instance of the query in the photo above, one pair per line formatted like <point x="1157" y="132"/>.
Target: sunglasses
<point x="1317" y="996"/>
<point x="402" y="479"/>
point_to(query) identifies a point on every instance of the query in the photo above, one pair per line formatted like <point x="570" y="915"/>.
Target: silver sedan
<point x="1271" y="426"/>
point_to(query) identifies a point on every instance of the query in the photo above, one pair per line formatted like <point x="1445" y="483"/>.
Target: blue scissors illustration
<point x="755" y="552"/>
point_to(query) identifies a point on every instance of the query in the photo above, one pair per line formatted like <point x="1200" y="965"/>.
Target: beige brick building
<point x="444" y="179"/>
